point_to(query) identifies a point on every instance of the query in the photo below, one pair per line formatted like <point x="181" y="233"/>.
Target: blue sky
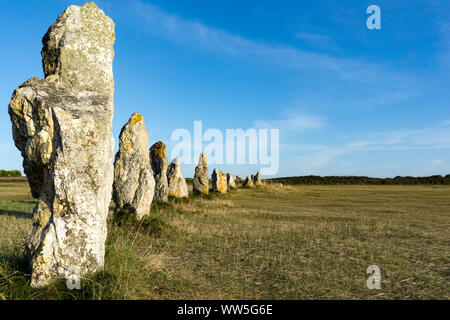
<point x="347" y="100"/>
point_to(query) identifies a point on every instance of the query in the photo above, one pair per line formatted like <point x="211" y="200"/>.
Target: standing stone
<point x="219" y="181"/>
<point x="238" y="178"/>
<point x="160" y="163"/>
<point x="134" y="184"/>
<point x="63" y="128"/>
<point x="248" y="182"/>
<point x="201" y="182"/>
<point x="230" y="181"/>
<point x="257" y="179"/>
<point x="177" y="184"/>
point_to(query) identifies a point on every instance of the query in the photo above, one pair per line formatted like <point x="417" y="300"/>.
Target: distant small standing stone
<point x="201" y="181"/>
<point x="219" y="181"/>
<point x="160" y="163"/>
<point x="230" y="181"/>
<point x="257" y="179"/>
<point x="177" y="184"/>
<point x="248" y="182"/>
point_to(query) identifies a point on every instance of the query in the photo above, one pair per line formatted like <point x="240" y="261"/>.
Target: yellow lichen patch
<point x="128" y="145"/>
<point x="136" y="118"/>
<point x="159" y="150"/>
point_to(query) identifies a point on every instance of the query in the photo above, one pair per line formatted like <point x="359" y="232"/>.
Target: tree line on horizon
<point x="311" y="179"/>
<point x="408" y="180"/>
<point x="10" y="173"/>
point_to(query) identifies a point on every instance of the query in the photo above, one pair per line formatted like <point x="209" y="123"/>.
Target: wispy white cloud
<point x="292" y="121"/>
<point x="313" y="38"/>
<point x="193" y="33"/>
<point x="315" y="156"/>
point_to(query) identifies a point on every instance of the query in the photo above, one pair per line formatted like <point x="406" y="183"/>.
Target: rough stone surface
<point x="160" y="163"/>
<point x="63" y="129"/>
<point x="134" y="184"/>
<point x="219" y="181"/>
<point x="257" y="179"/>
<point x="177" y="184"/>
<point x="230" y="181"/>
<point x="248" y="182"/>
<point x="78" y="50"/>
<point x="200" y="181"/>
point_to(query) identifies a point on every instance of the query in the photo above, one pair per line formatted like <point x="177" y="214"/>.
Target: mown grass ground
<point x="291" y="242"/>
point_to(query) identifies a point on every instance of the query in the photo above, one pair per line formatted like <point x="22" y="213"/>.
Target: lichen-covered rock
<point x="177" y="184"/>
<point x="238" y="178"/>
<point x="257" y="179"/>
<point x="248" y="182"/>
<point x="78" y="50"/>
<point x="134" y="184"/>
<point x="63" y="129"/>
<point x="230" y="181"/>
<point x="201" y="181"/>
<point x="160" y="163"/>
<point x="219" y="181"/>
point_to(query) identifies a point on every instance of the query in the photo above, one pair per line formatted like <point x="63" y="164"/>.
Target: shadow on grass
<point x="28" y="202"/>
<point x="17" y="214"/>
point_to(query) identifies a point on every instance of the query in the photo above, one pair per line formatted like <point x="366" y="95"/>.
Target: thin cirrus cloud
<point x="292" y="122"/>
<point x="313" y="38"/>
<point x="316" y="156"/>
<point x="196" y="34"/>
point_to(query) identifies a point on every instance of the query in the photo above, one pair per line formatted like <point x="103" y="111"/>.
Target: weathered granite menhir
<point x="160" y="164"/>
<point x="219" y="181"/>
<point x="177" y="184"/>
<point x="257" y="179"/>
<point x="134" y="184"/>
<point x="63" y="128"/>
<point x="201" y="181"/>
<point x="248" y="182"/>
<point x="231" y="184"/>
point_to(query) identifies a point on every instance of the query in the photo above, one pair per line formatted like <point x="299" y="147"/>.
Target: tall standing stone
<point x="219" y="181"/>
<point x="177" y="184"/>
<point x="160" y="163"/>
<point x="230" y="181"/>
<point x="201" y="181"/>
<point x="63" y="128"/>
<point x="134" y="184"/>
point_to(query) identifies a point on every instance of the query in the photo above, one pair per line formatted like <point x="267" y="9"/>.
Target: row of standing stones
<point x="62" y="126"/>
<point x="141" y="176"/>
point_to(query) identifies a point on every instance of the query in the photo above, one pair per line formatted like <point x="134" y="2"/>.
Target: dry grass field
<point x="291" y="242"/>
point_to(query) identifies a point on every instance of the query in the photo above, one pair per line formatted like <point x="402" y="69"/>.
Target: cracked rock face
<point x="230" y="181"/>
<point x="248" y="182"/>
<point x="177" y="184"/>
<point x="160" y="163"/>
<point x="219" y="181"/>
<point x="134" y="184"/>
<point x="63" y="128"/>
<point x="200" y="181"/>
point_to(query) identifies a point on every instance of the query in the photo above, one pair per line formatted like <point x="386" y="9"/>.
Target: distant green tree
<point x="10" y="173"/>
